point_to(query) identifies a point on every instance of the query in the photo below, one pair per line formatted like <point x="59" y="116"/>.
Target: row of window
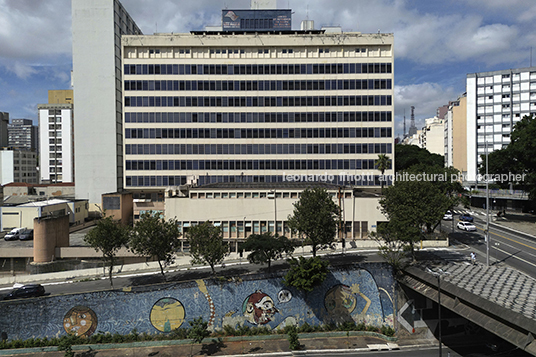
<point x="257" y="117"/>
<point x="353" y="84"/>
<point x="352" y="100"/>
<point x="159" y="181"/>
<point x="250" y="165"/>
<point x="255" y="149"/>
<point x="316" y="68"/>
<point x="286" y="133"/>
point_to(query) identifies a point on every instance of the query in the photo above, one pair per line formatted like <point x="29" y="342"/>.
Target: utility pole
<point x="487" y="209"/>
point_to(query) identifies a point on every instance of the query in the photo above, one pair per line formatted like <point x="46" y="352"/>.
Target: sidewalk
<point x="312" y="344"/>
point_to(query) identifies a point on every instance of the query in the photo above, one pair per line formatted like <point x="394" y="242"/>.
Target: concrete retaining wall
<point x="362" y="294"/>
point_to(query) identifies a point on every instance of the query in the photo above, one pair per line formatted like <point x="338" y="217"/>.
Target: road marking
<point x="512" y="240"/>
<point x="510" y="255"/>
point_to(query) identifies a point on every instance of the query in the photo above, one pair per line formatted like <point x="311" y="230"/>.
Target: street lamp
<point x="487" y="208"/>
<point x="438" y="304"/>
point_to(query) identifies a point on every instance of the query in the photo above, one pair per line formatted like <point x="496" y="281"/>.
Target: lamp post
<point x="487" y="208"/>
<point x="438" y="275"/>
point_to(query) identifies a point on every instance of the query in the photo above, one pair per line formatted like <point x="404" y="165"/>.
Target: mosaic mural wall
<point x="363" y="294"/>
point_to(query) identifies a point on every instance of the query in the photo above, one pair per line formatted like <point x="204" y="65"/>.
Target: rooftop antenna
<point x="404" y="122"/>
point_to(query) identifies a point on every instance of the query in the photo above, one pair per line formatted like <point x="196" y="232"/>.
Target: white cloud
<point x="425" y="97"/>
<point x="21" y="70"/>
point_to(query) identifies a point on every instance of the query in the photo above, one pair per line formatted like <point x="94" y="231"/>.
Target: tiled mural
<point x="363" y="294"/>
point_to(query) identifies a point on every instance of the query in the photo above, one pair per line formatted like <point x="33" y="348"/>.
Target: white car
<point x="447" y="216"/>
<point x="466" y="226"/>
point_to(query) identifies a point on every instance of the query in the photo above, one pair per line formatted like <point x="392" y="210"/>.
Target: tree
<point x="306" y="273"/>
<point x="108" y="237"/>
<point x="409" y="155"/>
<point x="393" y="244"/>
<point x="206" y="244"/>
<point x="383" y="163"/>
<point x="155" y="237"/>
<point x="266" y="247"/>
<point x="315" y="215"/>
<point x="416" y="204"/>
<point x="518" y="157"/>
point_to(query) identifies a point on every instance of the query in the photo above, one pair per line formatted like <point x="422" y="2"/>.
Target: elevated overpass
<point x="497" y="298"/>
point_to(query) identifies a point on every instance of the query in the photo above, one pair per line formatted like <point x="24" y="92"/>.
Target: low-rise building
<point x="242" y="209"/>
<point x="18" y="166"/>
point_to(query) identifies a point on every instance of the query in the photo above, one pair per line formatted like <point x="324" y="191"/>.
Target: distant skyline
<point x="437" y="43"/>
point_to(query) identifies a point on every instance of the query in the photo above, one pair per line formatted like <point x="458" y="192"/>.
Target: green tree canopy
<point x="206" y="244"/>
<point x="306" y="273"/>
<point x="108" y="237"/>
<point x="155" y="237"/>
<point x="409" y="155"/>
<point x="315" y="215"/>
<point x="518" y="157"/>
<point x="416" y="204"/>
<point x="266" y="247"/>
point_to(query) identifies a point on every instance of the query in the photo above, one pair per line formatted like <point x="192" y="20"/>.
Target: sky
<point x="437" y="42"/>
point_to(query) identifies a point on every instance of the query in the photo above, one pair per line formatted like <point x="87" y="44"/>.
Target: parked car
<point x="26" y="291"/>
<point x="27" y="234"/>
<point x="14" y="234"/>
<point x="466" y="218"/>
<point x="466" y="226"/>
<point x="447" y="216"/>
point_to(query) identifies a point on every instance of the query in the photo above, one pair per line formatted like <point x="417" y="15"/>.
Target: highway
<point x="517" y="250"/>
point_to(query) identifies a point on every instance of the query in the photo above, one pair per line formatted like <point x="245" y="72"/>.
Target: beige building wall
<point x="241" y="212"/>
<point x="433" y="136"/>
<point x="459" y="136"/>
<point x="22" y="216"/>
<point x="63" y="96"/>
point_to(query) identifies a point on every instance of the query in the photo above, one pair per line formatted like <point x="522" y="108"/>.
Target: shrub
<point x="294" y="342"/>
<point x="387" y="331"/>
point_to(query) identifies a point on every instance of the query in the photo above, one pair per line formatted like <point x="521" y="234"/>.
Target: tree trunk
<point x="314" y="250"/>
<point x="162" y="270"/>
<point x="110" y="275"/>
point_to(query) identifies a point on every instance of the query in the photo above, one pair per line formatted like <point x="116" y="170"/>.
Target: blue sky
<point x="437" y="42"/>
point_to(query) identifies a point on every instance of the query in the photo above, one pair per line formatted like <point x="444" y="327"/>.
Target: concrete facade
<point x="22" y="134"/>
<point x="4" y="121"/>
<point x="432" y="136"/>
<point x="49" y="233"/>
<point x="119" y="206"/>
<point x="23" y="216"/>
<point x="56" y="159"/>
<point x="496" y="101"/>
<point x="18" y="166"/>
<point x="97" y="26"/>
<point x="211" y="107"/>
<point x="242" y="210"/>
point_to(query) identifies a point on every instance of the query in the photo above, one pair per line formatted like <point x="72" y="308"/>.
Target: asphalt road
<point x="506" y="247"/>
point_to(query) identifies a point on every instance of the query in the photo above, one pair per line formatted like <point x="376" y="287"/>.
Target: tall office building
<point x="97" y="27"/>
<point x="22" y="134"/>
<point x="495" y="102"/>
<point x="456" y="134"/>
<point x="4" y="121"/>
<point x="256" y="102"/>
<point x="56" y="132"/>
<point x="18" y="166"/>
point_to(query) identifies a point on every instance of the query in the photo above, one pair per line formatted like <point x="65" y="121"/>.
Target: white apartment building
<point x="56" y="159"/>
<point x="97" y="27"/>
<point x="432" y="136"/>
<point x="256" y="104"/>
<point x="18" y="166"/>
<point x="495" y="102"/>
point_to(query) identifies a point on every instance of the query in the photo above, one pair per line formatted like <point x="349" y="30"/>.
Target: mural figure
<point x="80" y="321"/>
<point x="203" y="288"/>
<point x="340" y="302"/>
<point x="259" y="308"/>
<point x="167" y="314"/>
<point x="284" y="296"/>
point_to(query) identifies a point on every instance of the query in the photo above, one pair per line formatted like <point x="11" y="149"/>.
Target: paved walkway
<point x="501" y="285"/>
